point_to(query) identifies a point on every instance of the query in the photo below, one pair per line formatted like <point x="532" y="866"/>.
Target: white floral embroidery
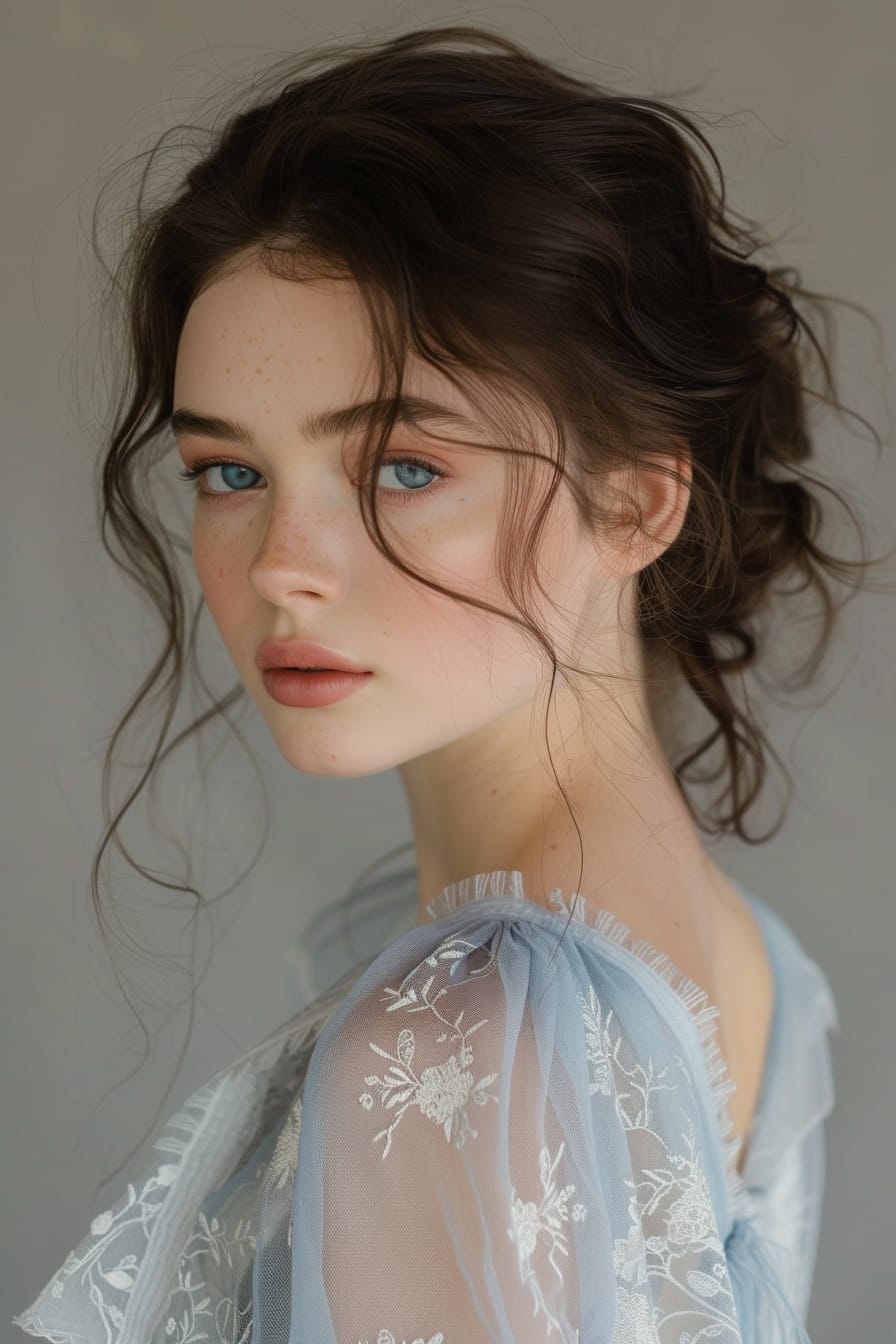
<point x="599" y="1073"/>
<point x="529" y="1219"/>
<point x="672" y="1226"/>
<point x="191" y="1304"/>
<point x="118" y="1274"/>
<point x="629" y="1254"/>
<point x="386" y="1337"/>
<point x="634" y="1323"/>
<point x="282" y="1166"/>
<point x="281" y="1172"/>
<point x="607" y="1070"/>
<point x="443" y="1091"/>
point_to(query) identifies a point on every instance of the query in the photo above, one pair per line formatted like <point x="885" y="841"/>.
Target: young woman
<point x="493" y="419"/>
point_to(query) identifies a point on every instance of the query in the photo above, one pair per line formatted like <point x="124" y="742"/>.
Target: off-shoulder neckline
<point x="500" y="886"/>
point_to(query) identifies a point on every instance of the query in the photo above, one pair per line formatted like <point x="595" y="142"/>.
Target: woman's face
<point x="281" y="550"/>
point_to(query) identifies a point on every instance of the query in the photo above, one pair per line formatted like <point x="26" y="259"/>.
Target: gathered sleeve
<point x="507" y="1128"/>
<point x="503" y="1139"/>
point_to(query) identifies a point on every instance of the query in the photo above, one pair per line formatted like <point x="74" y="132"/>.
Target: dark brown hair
<point x="555" y="239"/>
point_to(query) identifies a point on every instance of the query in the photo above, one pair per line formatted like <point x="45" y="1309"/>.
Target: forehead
<point x="249" y="304"/>
<point x="250" y="332"/>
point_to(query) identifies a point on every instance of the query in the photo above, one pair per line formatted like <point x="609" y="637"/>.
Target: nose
<point x="302" y="551"/>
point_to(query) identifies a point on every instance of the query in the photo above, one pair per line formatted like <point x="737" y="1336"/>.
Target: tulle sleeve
<point x="502" y="1139"/>
<point x="506" y="1128"/>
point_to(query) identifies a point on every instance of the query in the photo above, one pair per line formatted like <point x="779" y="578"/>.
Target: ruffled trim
<point x="507" y="884"/>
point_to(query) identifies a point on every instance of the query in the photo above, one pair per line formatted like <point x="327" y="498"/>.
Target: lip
<point x="302" y="653"/>
<point x="311" y="690"/>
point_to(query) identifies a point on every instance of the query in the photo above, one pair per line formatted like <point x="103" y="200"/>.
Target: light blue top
<point x="485" y="1134"/>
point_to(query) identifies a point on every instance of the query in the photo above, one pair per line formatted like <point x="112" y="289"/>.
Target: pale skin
<point x="457" y="700"/>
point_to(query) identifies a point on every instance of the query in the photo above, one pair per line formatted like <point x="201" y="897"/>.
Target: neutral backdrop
<point x="801" y="97"/>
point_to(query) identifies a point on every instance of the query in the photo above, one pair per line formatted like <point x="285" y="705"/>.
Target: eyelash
<point x="205" y="464"/>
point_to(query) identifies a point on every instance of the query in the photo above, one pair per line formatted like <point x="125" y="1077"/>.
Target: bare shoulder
<point x="743" y="989"/>
<point x="742" y="963"/>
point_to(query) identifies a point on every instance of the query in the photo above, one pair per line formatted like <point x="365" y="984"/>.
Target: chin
<point x="318" y="755"/>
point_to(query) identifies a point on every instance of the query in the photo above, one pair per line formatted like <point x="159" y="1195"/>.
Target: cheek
<point x="220" y="567"/>
<point x="468" y="656"/>
<point x="457" y="553"/>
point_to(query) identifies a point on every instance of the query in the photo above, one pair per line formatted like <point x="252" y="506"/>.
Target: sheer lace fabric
<point x="486" y="1134"/>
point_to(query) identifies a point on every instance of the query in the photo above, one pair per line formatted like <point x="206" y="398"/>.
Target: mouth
<point x="311" y="687"/>
<point x="274" y="654"/>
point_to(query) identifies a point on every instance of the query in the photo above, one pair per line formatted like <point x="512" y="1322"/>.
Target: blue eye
<point x="235" y="481"/>
<point x="239" y="470"/>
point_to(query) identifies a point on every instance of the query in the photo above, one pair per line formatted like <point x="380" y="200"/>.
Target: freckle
<point x="267" y="380"/>
<point x="258" y="370"/>
<point x="226" y="370"/>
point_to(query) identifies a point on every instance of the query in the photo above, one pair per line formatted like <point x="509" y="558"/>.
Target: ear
<point x="663" y="501"/>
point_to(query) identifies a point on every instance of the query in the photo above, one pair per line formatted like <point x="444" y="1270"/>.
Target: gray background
<point x="802" y="99"/>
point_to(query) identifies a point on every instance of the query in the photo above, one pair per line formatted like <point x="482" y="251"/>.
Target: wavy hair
<point x="567" y="243"/>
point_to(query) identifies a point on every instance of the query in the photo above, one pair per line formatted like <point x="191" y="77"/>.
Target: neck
<point x="488" y="803"/>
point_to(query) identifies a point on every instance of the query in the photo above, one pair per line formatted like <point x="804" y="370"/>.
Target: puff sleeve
<point x="507" y="1128"/>
<point x="503" y="1139"/>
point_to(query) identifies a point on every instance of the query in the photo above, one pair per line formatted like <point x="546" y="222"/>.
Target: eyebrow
<point x="325" y="424"/>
